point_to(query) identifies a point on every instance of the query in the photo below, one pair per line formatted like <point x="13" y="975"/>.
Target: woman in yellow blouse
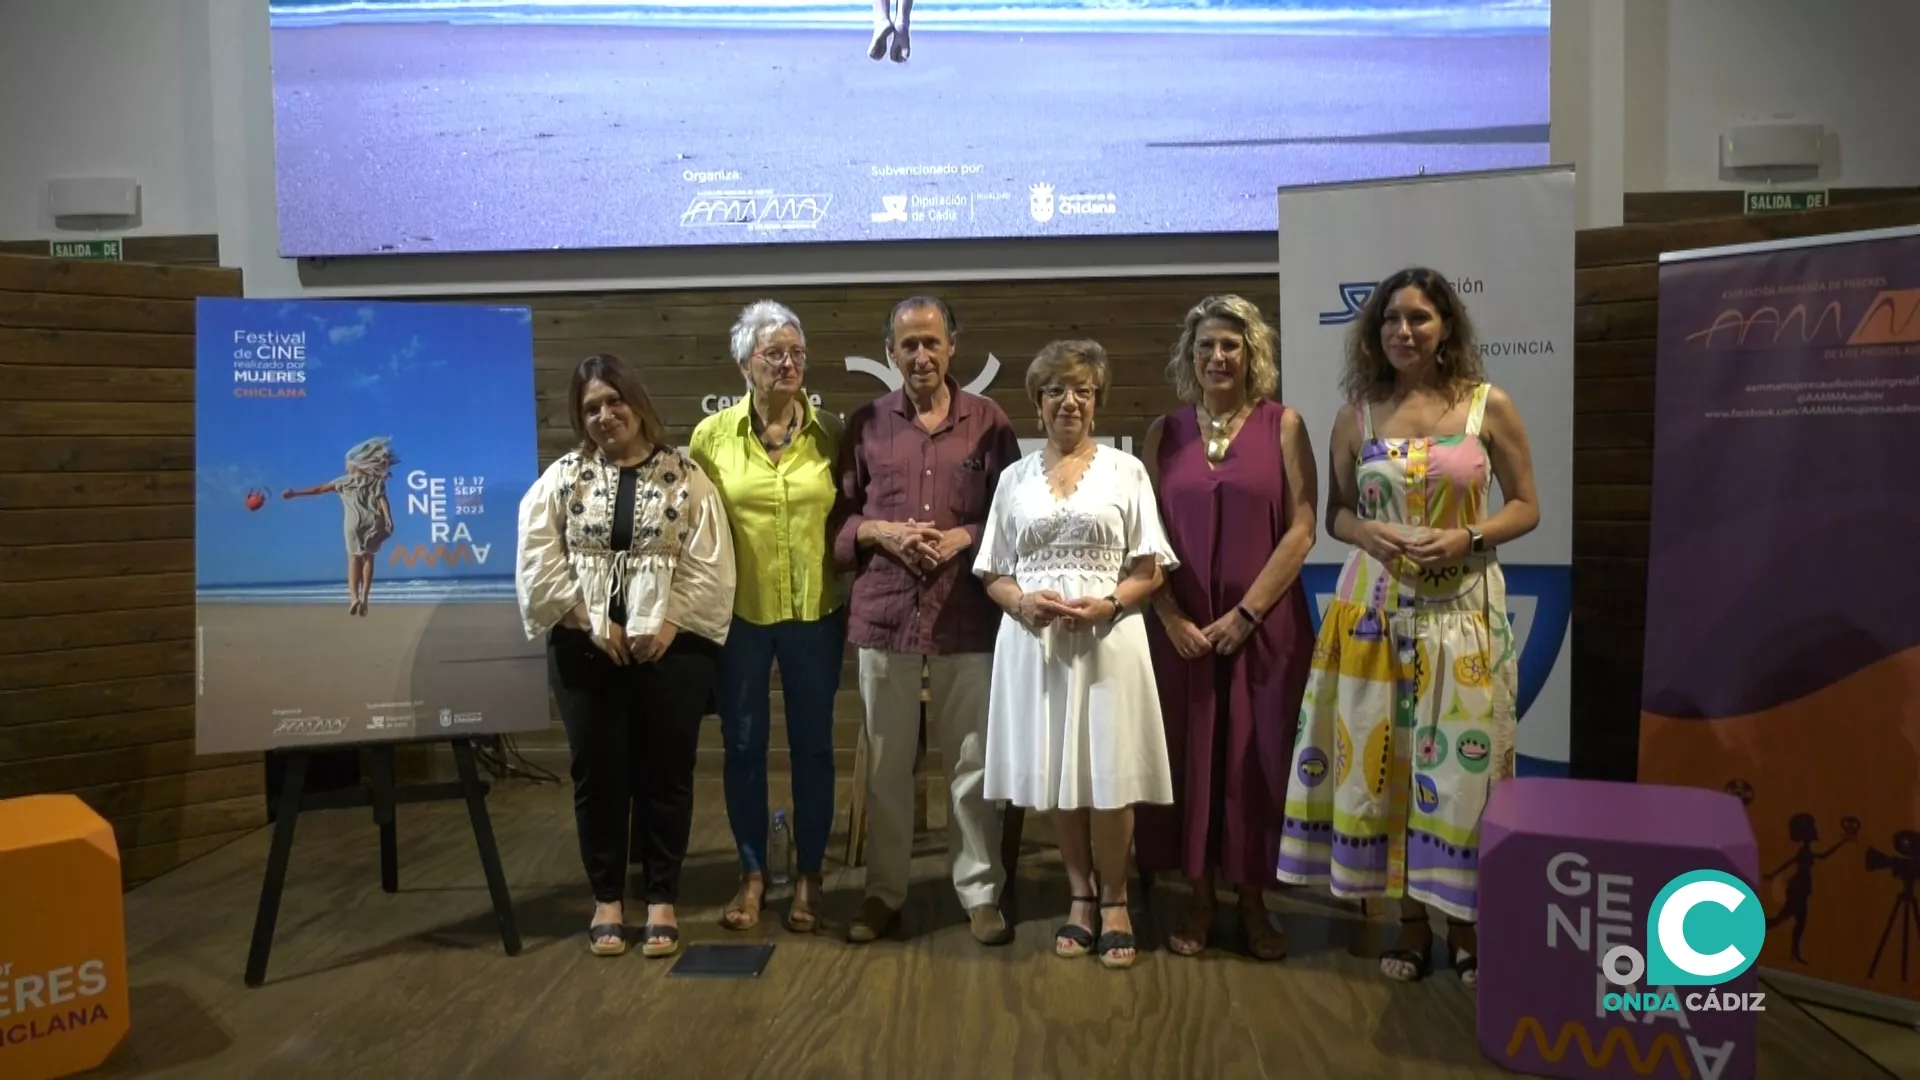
<point x="772" y="458"/>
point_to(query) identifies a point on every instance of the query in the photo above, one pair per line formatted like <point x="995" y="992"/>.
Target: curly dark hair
<point x="1368" y="375"/>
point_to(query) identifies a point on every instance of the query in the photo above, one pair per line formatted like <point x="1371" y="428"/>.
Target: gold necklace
<point x="1219" y="441"/>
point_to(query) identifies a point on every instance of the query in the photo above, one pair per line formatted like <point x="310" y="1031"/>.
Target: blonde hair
<point x="1369" y="377"/>
<point x="1263" y="348"/>
<point x="1060" y="358"/>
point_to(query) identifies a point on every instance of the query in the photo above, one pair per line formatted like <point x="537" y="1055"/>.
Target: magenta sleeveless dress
<point x="1230" y="721"/>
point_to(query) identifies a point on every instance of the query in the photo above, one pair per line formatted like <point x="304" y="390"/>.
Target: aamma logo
<point x="437" y="554"/>
<point x="1706" y="928"/>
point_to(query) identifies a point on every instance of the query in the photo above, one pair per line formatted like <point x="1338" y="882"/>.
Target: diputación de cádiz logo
<point x="1704" y="909"/>
<point x="1355" y="294"/>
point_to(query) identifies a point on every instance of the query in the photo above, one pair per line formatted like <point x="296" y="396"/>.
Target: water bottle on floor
<point x="780" y="851"/>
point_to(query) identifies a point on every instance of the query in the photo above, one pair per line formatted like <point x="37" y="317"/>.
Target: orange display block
<point x="63" y="939"/>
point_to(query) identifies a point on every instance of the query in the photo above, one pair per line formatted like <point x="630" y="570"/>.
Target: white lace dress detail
<point x="1073" y="717"/>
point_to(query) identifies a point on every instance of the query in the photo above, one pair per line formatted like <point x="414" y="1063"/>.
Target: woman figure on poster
<point x="774" y="458"/>
<point x="1803" y="830"/>
<point x="625" y="565"/>
<point x="369" y="516"/>
<point x="1409" y="713"/>
<point x="891" y="36"/>
<point x="1231" y="634"/>
<point x="1072" y="547"/>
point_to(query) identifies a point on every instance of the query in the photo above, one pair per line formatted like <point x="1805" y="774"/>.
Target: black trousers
<point x="633" y="732"/>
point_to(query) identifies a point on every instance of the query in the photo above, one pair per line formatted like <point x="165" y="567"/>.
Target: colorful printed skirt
<point x="1408" y="720"/>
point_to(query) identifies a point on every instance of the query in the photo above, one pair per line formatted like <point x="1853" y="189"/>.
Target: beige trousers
<point x="957" y="713"/>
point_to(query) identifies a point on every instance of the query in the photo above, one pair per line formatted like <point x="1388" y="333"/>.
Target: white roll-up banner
<point x="1505" y="240"/>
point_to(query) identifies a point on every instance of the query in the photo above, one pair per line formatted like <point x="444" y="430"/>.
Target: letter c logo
<point x="1724" y="912"/>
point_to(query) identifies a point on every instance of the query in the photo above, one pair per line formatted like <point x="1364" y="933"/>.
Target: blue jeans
<point x="810" y="655"/>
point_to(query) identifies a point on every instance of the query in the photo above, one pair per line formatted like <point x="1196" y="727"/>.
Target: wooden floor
<point x="415" y="984"/>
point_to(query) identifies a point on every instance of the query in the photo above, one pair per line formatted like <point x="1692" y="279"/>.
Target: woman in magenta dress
<point x="1231" y="638"/>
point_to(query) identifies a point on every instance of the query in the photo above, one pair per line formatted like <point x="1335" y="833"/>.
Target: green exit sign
<point x="1785" y="202"/>
<point x="106" y="250"/>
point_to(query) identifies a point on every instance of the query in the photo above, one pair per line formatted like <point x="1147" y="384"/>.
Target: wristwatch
<point x="1114" y="599"/>
<point x="1478" y="543"/>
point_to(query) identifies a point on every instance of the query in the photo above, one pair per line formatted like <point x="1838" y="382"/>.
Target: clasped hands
<point x="1043" y="607"/>
<point x="1223" y="635"/>
<point x="1425" y="547"/>
<point x="920" y="546"/>
<point x="618" y="646"/>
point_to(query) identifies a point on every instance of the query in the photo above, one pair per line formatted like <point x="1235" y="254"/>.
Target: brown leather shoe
<point x="875" y="920"/>
<point x="989" y="926"/>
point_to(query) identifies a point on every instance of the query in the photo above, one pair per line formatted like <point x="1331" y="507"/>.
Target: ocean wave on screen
<point x="452" y="591"/>
<point x="1161" y="16"/>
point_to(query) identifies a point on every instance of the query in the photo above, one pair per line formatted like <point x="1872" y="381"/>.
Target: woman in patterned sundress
<point x="1409" y="712"/>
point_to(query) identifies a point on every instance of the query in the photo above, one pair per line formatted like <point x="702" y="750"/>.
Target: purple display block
<point x="1568" y="870"/>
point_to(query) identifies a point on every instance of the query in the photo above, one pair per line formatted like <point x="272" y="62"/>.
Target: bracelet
<point x="1118" y="609"/>
<point x="1241" y="610"/>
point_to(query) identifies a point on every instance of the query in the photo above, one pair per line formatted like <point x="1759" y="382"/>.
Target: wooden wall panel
<point x="96" y="555"/>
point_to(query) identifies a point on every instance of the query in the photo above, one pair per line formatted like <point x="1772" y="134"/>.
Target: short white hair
<point x="757" y="320"/>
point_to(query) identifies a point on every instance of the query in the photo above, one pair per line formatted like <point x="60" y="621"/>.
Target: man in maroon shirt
<point x="918" y="468"/>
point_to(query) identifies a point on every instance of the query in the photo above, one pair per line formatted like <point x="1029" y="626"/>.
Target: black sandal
<point x="616" y="931"/>
<point x="1078" y="939"/>
<point x="1464" y="962"/>
<point x="658" y="941"/>
<point x="1421" y="962"/>
<point x="1114" y="941"/>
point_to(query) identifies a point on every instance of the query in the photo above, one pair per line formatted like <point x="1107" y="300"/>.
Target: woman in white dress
<point x="1072" y="548"/>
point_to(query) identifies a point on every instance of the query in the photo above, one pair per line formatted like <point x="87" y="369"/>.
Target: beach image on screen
<point x="358" y="471"/>
<point x="423" y="126"/>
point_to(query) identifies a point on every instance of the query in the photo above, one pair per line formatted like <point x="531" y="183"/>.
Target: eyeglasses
<point x="783" y="357"/>
<point x="1082" y="394"/>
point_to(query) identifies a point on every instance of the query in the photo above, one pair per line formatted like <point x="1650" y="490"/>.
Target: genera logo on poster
<point x="46" y="1004"/>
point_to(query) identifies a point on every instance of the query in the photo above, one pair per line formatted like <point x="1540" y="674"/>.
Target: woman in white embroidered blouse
<point x="625" y="563"/>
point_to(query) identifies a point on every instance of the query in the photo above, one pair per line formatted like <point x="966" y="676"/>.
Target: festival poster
<point x="1782" y="647"/>
<point x="360" y="466"/>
